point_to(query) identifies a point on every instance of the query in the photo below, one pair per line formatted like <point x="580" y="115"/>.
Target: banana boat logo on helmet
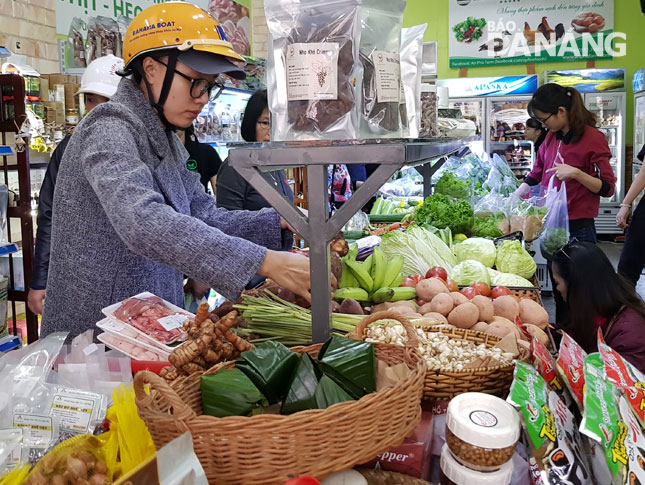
<point x="159" y="26"/>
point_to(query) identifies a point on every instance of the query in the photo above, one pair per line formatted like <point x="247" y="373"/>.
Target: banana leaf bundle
<point x="230" y="393"/>
<point x="351" y="364"/>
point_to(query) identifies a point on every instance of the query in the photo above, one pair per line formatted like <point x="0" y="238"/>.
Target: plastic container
<point x="482" y="430"/>
<point x="167" y="347"/>
<point x="116" y="342"/>
<point x="454" y="473"/>
<point x="131" y="335"/>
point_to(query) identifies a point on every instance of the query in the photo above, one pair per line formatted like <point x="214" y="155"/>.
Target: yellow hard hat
<point x="189" y="29"/>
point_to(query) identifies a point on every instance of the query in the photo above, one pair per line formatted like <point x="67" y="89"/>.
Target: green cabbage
<point x="512" y="280"/>
<point x="513" y="258"/>
<point x="477" y="248"/>
<point x="470" y="271"/>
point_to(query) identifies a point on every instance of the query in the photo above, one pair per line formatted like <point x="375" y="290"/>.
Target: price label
<point x="172" y="322"/>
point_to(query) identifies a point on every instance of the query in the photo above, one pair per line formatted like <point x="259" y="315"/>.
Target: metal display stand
<point x="249" y="160"/>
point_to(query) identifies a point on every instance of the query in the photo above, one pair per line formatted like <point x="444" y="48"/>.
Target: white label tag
<point x="312" y="71"/>
<point x="75" y="409"/>
<point x="172" y="322"/>
<point x="13" y="435"/>
<point x="38" y="429"/>
<point x="387" y="72"/>
<point x="90" y="349"/>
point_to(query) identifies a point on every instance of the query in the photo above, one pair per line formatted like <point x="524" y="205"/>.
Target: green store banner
<point x="87" y="29"/>
<point x="494" y="32"/>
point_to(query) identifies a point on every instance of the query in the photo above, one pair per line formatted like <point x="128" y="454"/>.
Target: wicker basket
<point x="444" y="385"/>
<point x="380" y="477"/>
<point x="273" y="448"/>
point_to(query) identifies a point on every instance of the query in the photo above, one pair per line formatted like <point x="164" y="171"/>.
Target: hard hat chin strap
<point x="165" y="89"/>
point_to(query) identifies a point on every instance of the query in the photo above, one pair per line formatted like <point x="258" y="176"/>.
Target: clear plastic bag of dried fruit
<point x="314" y="76"/>
<point x="380" y="45"/>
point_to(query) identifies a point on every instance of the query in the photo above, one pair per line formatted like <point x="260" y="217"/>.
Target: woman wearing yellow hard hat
<point x="128" y="215"/>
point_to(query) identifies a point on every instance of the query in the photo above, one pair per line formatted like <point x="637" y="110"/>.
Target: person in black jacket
<point x="98" y="85"/>
<point x="235" y="193"/>
<point x="204" y="159"/>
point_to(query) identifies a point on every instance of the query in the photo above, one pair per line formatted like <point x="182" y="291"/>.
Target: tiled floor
<point x="612" y="250"/>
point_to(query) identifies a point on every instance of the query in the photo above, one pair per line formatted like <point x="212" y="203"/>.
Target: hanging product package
<point x="314" y="77"/>
<point x="555" y="443"/>
<point x="570" y="364"/>
<point x="411" y="60"/>
<point x="380" y="45"/>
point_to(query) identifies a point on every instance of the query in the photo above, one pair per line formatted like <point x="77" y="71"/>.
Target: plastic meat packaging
<point x="411" y="60"/>
<point x="152" y="316"/>
<point x="380" y="46"/>
<point x="314" y="76"/>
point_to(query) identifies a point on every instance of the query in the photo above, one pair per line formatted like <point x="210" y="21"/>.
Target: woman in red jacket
<point x="598" y="298"/>
<point x="573" y="151"/>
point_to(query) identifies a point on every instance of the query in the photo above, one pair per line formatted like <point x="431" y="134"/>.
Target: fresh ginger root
<point x="238" y="342"/>
<point x="169" y="373"/>
<point x="192" y="367"/>
<point x="202" y="313"/>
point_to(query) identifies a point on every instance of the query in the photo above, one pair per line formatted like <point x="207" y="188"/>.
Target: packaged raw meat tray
<point x="156" y="318"/>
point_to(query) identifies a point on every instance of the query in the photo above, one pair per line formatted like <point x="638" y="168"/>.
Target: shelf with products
<point x="317" y="227"/>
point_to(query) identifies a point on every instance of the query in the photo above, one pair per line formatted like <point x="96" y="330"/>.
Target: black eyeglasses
<point x="543" y="122"/>
<point x="564" y="248"/>
<point x="199" y="87"/>
<point x="264" y="124"/>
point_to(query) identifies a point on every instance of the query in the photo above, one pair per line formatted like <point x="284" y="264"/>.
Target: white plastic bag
<point x="411" y="60"/>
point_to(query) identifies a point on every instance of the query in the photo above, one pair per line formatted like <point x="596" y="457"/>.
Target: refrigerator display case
<point x="219" y="122"/>
<point x="610" y="109"/>
<point x="506" y="124"/>
<point x="639" y="137"/>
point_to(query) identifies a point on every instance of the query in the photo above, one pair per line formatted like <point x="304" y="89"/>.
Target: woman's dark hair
<point x="550" y="97"/>
<point x="258" y="102"/>
<point x="536" y="125"/>
<point x="593" y="289"/>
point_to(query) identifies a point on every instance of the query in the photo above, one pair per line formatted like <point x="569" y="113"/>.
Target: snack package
<point x="627" y="379"/>
<point x="546" y="366"/>
<point x="315" y="77"/>
<point x="600" y="422"/>
<point x="570" y="364"/>
<point x="77" y="29"/>
<point x="551" y="430"/>
<point x="411" y="60"/>
<point x="379" y="53"/>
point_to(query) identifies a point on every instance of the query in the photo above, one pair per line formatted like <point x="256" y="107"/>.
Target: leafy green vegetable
<point x="421" y="250"/>
<point x="513" y="258"/>
<point x="553" y="240"/>
<point x="470" y="271"/>
<point x="487" y="227"/>
<point x="440" y="211"/>
<point x="478" y="249"/>
<point x="469" y="29"/>
<point x="509" y="279"/>
<point x="451" y="186"/>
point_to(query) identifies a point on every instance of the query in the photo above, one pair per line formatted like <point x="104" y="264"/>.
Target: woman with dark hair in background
<point x="535" y="132"/>
<point x="573" y="151"/>
<point x="598" y="298"/>
<point x="235" y="193"/>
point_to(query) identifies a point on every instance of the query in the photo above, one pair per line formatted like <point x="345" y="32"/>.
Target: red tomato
<point x="470" y="292"/>
<point x="412" y="281"/>
<point x="482" y="287"/>
<point x="437" y="272"/>
<point x="499" y="291"/>
<point x="452" y="286"/>
<point x="420" y="302"/>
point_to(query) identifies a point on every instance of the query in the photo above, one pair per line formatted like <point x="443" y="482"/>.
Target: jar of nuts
<point x="482" y="430"/>
<point x="454" y="473"/>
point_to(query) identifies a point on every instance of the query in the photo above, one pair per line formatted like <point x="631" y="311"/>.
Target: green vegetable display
<point x="553" y="240"/>
<point x="451" y="186"/>
<point x="488" y="226"/>
<point x="421" y="250"/>
<point x="513" y="258"/>
<point x="470" y="29"/>
<point x="470" y="271"/>
<point x="478" y="249"/>
<point x="510" y="280"/>
<point x="440" y="211"/>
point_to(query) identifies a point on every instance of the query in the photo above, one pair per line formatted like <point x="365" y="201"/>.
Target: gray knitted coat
<point x="129" y="217"/>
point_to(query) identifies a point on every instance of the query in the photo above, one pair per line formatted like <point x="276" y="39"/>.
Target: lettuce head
<point x="513" y="258"/>
<point x="478" y="249"/>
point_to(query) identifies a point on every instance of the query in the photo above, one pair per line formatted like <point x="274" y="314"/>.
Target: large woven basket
<point x="380" y="477"/>
<point x="273" y="448"/>
<point x="444" y="385"/>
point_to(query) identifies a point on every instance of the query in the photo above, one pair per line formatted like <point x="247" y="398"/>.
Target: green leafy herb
<point x="554" y="239"/>
<point x="451" y="186"/>
<point x="440" y="211"/>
